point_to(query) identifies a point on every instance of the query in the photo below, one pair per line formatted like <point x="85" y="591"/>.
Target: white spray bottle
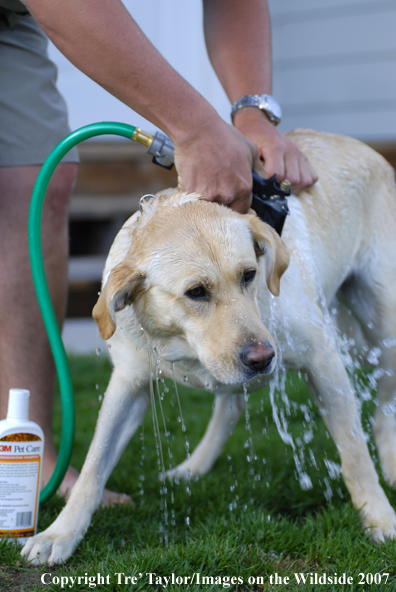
<point x="21" y="454"/>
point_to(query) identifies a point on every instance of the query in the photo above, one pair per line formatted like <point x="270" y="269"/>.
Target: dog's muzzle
<point x="257" y="357"/>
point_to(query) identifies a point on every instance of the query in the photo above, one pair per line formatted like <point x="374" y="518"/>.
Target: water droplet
<point x="333" y="468"/>
<point x="389" y="342"/>
<point x="373" y="356"/>
<point x="305" y="481"/>
<point x="388" y="409"/>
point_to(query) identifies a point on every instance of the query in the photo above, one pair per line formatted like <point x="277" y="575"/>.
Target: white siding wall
<point x="175" y="28"/>
<point x="334" y="64"/>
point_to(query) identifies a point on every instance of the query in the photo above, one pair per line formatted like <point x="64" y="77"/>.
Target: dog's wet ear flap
<point x="267" y="242"/>
<point x="122" y="287"/>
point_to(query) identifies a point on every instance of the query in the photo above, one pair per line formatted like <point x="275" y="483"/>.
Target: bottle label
<point x="20" y="459"/>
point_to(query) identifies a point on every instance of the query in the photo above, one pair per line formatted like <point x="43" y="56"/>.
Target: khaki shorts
<point x="33" y="115"/>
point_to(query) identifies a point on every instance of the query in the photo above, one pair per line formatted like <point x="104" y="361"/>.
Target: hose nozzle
<point x="142" y="137"/>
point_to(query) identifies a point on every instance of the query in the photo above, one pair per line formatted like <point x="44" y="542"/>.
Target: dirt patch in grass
<point x="18" y="580"/>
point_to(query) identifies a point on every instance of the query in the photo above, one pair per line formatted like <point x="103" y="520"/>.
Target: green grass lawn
<point x="249" y="518"/>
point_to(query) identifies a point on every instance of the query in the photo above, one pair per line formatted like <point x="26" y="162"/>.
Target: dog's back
<point x="342" y="222"/>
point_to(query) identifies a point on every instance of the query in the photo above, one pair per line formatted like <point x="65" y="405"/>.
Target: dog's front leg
<point x="123" y="409"/>
<point x="226" y="412"/>
<point x="330" y="387"/>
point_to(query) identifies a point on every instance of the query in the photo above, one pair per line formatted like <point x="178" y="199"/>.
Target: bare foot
<point x="109" y="498"/>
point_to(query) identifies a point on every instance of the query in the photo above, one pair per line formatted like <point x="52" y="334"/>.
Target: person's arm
<point x="105" y="43"/>
<point x="238" y="39"/>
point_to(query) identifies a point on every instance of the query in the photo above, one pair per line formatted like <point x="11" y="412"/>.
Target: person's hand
<point x="217" y="161"/>
<point x="279" y="154"/>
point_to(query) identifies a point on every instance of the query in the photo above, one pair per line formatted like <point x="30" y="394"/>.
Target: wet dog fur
<point x="220" y="298"/>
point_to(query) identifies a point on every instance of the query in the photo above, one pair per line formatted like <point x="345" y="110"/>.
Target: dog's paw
<point x="48" y="547"/>
<point x="380" y="526"/>
<point x="183" y="471"/>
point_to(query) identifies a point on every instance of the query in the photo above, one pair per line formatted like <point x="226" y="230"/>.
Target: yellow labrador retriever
<point x="219" y="297"/>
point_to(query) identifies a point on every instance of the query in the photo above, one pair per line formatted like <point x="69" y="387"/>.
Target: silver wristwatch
<point x="264" y="102"/>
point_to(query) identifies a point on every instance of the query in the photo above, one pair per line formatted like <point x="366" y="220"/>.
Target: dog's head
<point x="191" y="279"/>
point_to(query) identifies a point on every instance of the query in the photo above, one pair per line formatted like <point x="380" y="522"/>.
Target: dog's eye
<point x="197" y="293"/>
<point x="249" y="275"/>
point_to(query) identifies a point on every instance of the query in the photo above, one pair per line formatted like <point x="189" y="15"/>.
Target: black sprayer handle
<point x="269" y="201"/>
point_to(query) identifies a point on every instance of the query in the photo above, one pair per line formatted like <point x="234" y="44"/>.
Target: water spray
<point x="269" y="201"/>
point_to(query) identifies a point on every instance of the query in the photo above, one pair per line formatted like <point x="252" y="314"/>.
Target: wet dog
<point x="219" y="297"/>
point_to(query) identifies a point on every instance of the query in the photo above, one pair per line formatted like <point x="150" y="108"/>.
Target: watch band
<point x="266" y="103"/>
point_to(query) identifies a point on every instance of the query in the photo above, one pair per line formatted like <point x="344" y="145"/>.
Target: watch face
<point x="274" y="107"/>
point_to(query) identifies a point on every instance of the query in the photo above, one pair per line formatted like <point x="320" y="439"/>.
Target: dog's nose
<point x="258" y="357"/>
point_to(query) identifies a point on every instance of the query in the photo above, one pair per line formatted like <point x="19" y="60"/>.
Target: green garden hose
<point x="41" y="287"/>
<point x="162" y="150"/>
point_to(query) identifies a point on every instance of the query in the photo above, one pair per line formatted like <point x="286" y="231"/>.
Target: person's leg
<point x="33" y="118"/>
<point x="25" y="356"/>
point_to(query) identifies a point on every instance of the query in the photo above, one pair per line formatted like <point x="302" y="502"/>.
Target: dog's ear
<point x="122" y="287"/>
<point x="267" y="242"/>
